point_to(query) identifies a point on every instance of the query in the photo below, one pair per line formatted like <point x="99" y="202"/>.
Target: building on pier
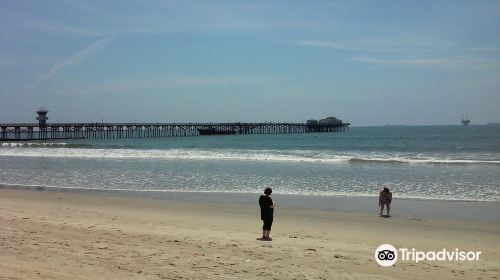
<point x="42" y="117"/>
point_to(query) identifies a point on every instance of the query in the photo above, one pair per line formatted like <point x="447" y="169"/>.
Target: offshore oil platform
<point x="466" y="120"/>
<point x="43" y="130"/>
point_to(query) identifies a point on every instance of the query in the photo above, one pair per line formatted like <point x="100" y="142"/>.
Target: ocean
<point x="415" y="162"/>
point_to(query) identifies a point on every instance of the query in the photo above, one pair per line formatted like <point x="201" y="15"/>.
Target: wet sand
<point x="70" y="235"/>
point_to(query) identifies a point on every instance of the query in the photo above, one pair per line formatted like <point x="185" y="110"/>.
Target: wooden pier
<point x="52" y="131"/>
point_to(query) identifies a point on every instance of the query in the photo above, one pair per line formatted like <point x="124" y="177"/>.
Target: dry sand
<point x="66" y="235"/>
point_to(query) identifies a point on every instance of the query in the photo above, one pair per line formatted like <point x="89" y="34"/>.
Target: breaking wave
<point x="64" y="150"/>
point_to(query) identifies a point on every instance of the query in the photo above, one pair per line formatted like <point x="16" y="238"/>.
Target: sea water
<point x="422" y="162"/>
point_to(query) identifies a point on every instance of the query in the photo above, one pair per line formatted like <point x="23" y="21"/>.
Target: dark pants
<point x="268" y="222"/>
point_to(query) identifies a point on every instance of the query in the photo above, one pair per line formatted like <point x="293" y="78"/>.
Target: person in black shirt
<point x="266" y="213"/>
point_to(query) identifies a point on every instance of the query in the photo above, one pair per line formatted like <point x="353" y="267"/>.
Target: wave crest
<point x="64" y="150"/>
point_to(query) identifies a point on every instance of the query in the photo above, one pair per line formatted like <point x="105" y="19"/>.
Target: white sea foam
<point x="246" y="155"/>
<point x="236" y="191"/>
<point x="32" y="144"/>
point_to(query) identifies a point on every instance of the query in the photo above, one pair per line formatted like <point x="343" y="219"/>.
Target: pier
<point x="44" y="130"/>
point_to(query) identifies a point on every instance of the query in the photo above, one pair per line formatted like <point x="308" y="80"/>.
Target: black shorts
<point x="268" y="222"/>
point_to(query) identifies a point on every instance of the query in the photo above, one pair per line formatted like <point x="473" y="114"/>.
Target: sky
<point x="365" y="62"/>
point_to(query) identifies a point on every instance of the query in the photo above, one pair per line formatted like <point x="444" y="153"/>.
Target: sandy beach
<point x="68" y="235"/>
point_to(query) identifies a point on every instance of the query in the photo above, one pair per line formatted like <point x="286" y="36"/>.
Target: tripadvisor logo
<point x="387" y="255"/>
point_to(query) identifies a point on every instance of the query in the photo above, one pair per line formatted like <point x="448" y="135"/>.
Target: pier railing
<point x="33" y="131"/>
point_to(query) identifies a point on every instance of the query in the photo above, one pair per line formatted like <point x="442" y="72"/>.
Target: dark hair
<point x="386" y="190"/>
<point x="268" y="191"/>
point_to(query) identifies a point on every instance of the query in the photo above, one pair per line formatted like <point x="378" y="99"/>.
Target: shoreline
<point x="77" y="235"/>
<point x="486" y="211"/>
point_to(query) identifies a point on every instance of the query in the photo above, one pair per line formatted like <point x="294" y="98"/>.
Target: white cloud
<point x="66" y="29"/>
<point x="484" y="49"/>
<point x="421" y="61"/>
<point x="404" y="61"/>
<point x="9" y="62"/>
<point x="166" y="81"/>
<point x="395" y="55"/>
<point x="389" y="45"/>
<point x="349" y="47"/>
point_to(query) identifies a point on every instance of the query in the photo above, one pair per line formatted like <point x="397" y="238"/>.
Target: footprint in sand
<point x="416" y="219"/>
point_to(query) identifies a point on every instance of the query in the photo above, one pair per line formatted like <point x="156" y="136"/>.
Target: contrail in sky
<point x="249" y="7"/>
<point x="76" y="58"/>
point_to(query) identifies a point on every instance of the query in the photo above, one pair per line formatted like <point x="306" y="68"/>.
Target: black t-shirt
<point x="266" y="212"/>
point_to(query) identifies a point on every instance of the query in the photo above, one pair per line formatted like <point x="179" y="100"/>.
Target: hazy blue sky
<point x="368" y="62"/>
